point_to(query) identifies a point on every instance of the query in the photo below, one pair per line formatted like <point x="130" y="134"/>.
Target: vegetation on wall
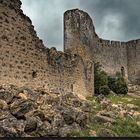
<point x="104" y="83"/>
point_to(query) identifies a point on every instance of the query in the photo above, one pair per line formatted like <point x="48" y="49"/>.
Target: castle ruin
<point x="25" y="61"/>
<point x="114" y="56"/>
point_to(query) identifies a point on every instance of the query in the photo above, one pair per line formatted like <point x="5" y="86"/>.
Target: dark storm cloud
<point x="113" y="19"/>
<point x="127" y="10"/>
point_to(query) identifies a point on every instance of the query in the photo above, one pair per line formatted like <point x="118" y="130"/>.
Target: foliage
<point x="78" y="133"/>
<point x="118" y="84"/>
<point x="125" y="100"/>
<point x="123" y="127"/>
<point x="105" y="83"/>
<point x="101" y="80"/>
<point x="105" y="90"/>
<point x="126" y="127"/>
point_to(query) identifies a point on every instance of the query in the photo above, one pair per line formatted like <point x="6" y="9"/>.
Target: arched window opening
<point x="123" y="71"/>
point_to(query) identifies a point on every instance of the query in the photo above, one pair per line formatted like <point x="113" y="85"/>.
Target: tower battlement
<point x="81" y="38"/>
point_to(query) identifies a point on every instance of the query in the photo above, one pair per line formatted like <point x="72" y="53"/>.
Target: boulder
<point x="31" y="124"/>
<point x="44" y="130"/>
<point x="100" y="98"/>
<point x="110" y="114"/>
<point x="82" y="119"/>
<point x="20" y="107"/>
<point x="3" y="105"/>
<point x="68" y="116"/>
<point x="132" y="107"/>
<point x="6" y="95"/>
<point x="4" y="114"/>
<point x="122" y="114"/>
<point x="11" y="127"/>
<point x="102" y="132"/>
<point x="23" y="96"/>
<point x="93" y="133"/>
<point x="86" y="107"/>
<point x="58" y="121"/>
<point x="8" y="132"/>
<point x="104" y="119"/>
<point x="136" y="115"/>
<point x="65" y="131"/>
<point x="39" y="114"/>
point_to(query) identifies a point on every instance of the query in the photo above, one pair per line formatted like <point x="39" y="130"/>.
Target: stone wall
<point x="25" y="61"/>
<point x="112" y="55"/>
<point x="80" y="38"/>
<point x="78" y="34"/>
<point x="133" y="51"/>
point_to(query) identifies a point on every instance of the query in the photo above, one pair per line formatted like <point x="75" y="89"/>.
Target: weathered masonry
<point x="115" y="56"/>
<point x="25" y="61"/>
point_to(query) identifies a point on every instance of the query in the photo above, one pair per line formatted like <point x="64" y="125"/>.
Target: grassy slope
<point x="126" y="127"/>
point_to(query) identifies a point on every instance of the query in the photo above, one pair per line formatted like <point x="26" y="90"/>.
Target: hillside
<point x="114" y="116"/>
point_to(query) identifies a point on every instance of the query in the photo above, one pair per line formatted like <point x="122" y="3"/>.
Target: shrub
<point x="118" y="84"/>
<point x="104" y="90"/>
<point x="101" y="80"/>
<point x="121" y="86"/>
<point x="104" y="83"/>
<point x="112" y="83"/>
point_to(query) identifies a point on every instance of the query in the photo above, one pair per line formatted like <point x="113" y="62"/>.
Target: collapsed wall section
<point x="21" y="50"/>
<point x="25" y="61"/>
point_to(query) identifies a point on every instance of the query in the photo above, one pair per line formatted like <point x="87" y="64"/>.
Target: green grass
<point x="93" y="103"/>
<point x="123" y="128"/>
<point x="124" y="99"/>
<point x="78" y="133"/>
<point x="136" y="102"/>
<point x="126" y="127"/>
<point x="117" y="99"/>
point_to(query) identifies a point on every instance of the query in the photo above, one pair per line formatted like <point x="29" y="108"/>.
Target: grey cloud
<point x="113" y="19"/>
<point x="127" y="10"/>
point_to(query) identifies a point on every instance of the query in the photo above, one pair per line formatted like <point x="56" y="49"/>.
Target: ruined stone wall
<point x="112" y="55"/>
<point x="80" y="38"/>
<point x="25" y="61"/>
<point x="133" y="51"/>
<point x="21" y="50"/>
<point x="78" y="34"/>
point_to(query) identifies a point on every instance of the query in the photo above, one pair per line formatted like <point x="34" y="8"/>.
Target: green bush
<point x="112" y="83"/>
<point x="104" y="90"/>
<point x="118" y="84"/>
<point x="101" y="80"/>
<point x="104" y="83"/>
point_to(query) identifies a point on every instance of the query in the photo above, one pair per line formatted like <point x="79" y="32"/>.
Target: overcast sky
<point x="113" y="19"/>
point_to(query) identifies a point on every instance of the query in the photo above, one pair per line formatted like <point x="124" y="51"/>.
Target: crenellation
<point x="112" y="55"/>
<point x="26" y="61"/>
<point x="115" y="43"/>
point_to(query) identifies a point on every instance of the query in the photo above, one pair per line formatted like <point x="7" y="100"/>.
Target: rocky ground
<point x="27" y="113"/>
<point x="114" y="116"/>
